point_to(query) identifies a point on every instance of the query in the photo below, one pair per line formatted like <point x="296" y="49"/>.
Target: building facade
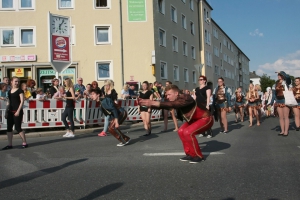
<point x="124" y="40"/>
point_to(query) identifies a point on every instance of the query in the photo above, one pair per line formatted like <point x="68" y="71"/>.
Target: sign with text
<point x="136" y="10"/>
<point x="17" y="58"/>
<point x="60" y="48"/>
<point x="19" y="72"/>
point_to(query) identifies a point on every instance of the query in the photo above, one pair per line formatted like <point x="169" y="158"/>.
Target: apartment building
<point x="124" y="40"/>
<point x="220" y="56"/>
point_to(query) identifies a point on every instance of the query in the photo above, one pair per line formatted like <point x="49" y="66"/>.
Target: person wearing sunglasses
<point x="202" y="96"/>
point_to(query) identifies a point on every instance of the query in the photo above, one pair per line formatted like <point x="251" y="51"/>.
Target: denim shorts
<point x="282" y="101"/>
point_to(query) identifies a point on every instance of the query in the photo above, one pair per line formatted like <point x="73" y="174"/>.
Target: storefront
<point x="45" y="75"/>
<point x="23" y="73"/>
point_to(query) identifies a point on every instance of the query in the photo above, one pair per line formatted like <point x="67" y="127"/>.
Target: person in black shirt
<point x="15" y="113"/>
<point x="54" y="87"/>
<point x="202" y="96"/>
<point x="145" y="111"/>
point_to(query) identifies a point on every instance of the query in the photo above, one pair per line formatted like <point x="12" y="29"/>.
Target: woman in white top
<point x="125" y="92"/>
<point x="267" y="101"/>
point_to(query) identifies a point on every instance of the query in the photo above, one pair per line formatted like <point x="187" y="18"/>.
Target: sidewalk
<point x="46" y="132"/>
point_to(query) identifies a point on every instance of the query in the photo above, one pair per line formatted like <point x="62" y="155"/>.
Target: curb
<point x="77" y="131"/>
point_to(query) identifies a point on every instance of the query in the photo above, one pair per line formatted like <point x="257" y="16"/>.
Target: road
<point x="247" y="163"/>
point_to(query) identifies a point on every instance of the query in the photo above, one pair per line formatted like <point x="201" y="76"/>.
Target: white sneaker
<point x="127" y="141"/>
<point x="71" y="135"/>
<point x="209" y="136"/>
<point x="121" y="144"/>
<point x="67" y="133"/>
<point x="200" y="135"/>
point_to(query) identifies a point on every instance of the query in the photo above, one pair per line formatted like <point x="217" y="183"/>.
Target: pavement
<point x="247" y="163"/>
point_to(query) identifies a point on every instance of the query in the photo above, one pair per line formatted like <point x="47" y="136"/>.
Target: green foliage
<point x="266" y="81"/>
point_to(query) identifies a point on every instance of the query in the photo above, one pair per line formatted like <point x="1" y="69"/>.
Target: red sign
<point x="60" y="48"/>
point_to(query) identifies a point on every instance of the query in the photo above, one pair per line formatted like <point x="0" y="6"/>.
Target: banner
<point x="136" y="10"/>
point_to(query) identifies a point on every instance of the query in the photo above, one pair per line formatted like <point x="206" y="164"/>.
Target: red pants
<point x="188" y="131"/>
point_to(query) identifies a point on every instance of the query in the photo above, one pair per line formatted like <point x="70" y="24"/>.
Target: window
<point x="217" y="70"/>
<point x="103" y="35"/>
<point x="194" y="77"/>
<point x="192" y="4"/>
<point x="215" y="33"/>
<point x="216" y="51"/>
<point x="65" y="4"/>
<point x="176" y="73"/>
<point x="186" y="75"/>
<point x="26" y="4"/>
<point x="208" y="59"/>
<point x="193" y="52"/>
<point x="192" y="28"/>
<point x="173" y="14"/>
<point x="184" y="45"/>
<point x="7" y="4"/>
<point x="8" y="37"/>
<point x="102" y="3"/>
<point x="104" y="70"/>
<point x="162" y="37"/>
<point x="205" y="16"/>
<point x="220" y="47"/>
<point x="183" y="21"/>
<point x="163" y="70"/>
<point x="27" y="37"/>
<point x="161" y="6"/>
<point x="175" y="43"/>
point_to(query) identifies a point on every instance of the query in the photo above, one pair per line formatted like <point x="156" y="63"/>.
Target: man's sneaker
<point x="71" y="135"/>
<point x="102" y="134"/>
<point x="195" y="160"/>
<point x="209" y="136"/>
<point x="67" y="133"/>
<point x="186" y="158"/>
<point x="200" y="135"/>
<point x="121" y="144"/>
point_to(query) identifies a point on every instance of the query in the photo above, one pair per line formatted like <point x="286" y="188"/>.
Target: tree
<point x="266" y="81"/>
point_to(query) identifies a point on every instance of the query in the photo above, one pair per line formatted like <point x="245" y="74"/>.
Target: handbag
<point x="289" y="97"/>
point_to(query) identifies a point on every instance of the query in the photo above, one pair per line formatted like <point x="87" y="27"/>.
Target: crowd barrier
<point x="48" y="113"/>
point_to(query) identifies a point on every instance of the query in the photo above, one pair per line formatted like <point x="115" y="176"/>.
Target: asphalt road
<point x="247" y="163"/>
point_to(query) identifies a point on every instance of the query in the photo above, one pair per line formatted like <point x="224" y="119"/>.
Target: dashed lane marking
<point x="181" y="154"/>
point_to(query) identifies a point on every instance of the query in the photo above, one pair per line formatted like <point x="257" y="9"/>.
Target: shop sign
<point x="60" y="48"/>
<point x="136" y="10"/>
<point x="17" y="58"/>
<point x="51" y="72"/>
<point x="19" y="72"/>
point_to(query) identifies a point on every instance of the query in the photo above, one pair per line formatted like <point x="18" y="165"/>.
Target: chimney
<point x="254" y="72"/>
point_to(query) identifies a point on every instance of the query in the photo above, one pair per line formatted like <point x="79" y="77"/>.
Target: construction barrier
<point x="48" y="113"/>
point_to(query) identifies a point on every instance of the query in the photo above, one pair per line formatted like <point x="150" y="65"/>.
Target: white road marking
<point x="181" y="154"/>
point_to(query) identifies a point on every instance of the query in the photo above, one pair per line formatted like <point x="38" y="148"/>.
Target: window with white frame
<point x="26" y="4"/>
<point x="216" y="51"/>
<point x="183" y="21"/>
<point x="215" y="33"/>
<point x="192" y="28"/>
<point x="204" y="13"/>
<point x="161" y="6"/>
<point x="8" y="37"/>
<point x="186" y="75"/>
<point x="104" y="70"/>
<point x="184" y="46"/>
<point x="102" y="3"/>
<point x="173" y="14"/>
<point x="27" y="37"/>
<point x="192" y="4"/>
<point x="224" y="42"/>
<point x="193" y="52"/>
<point x="163" y="70"/>
<point x="7" y="4"/>
<point x="176" y="73"/>
<point x="209" y="38"/>
<point x="194" y="77"/>
<point x="175" y="43"/>
<point x="216" y="69"/>
<point x="65" y="4"/>
<point x="221" y="47"/>
<point x="206" y="37"/>
<point x="162" y="37"/>
<point x="103" y="34"/>
<point x="17" y="36"/>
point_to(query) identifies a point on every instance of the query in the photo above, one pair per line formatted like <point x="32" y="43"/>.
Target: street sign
<point x="60" y="49"/>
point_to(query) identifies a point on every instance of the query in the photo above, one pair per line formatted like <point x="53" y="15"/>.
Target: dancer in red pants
<point x="198" y="120"/>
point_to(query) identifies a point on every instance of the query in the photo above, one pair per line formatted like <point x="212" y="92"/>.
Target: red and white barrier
<point x="47" y="113"/>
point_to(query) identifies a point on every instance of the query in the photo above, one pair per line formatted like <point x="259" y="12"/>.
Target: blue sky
<point x="267" y="31"/>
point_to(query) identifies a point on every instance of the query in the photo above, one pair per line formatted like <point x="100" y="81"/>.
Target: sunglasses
<point x="200" y="79"/>
<point x="79" y="80"/>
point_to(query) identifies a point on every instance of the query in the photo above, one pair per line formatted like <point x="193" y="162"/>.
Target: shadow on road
<point x="102" y="191"/>
<point x="214" y="146"/>
<point x="142" y="139"/>
<point x="33" y="175"/>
